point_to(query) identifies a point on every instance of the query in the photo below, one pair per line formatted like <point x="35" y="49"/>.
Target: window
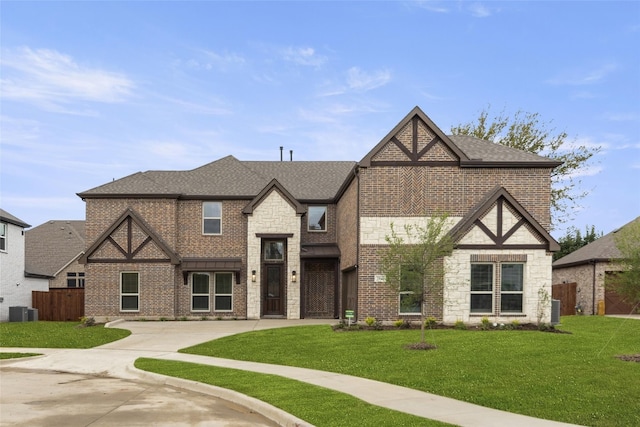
<point x="75" y="280"/>
<point x="129" y="291"/>
<point x="212" y="218"/>
<point x="3" y="236"/>
<point x="506" y="290"/>
<point x="317" y="218"/>
<point x="200" y="292"/>
<point x="481" y="288"/>
<point x="274" y="250"/>
<point x="223" y="292"/>
<point x="511" y="288"/>
<point x="410" y="301"/>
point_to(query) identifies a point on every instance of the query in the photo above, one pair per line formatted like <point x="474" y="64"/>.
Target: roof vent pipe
<point x="291" y="155"/>
<point x="281" y="147"/>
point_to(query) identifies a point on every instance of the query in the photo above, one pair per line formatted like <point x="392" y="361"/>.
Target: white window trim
<point x="211" y="217"/>
<point x="521" y="292"/>
<point x="326" y="215"/>
<point x="4" y="237"/>
<point x="492" y="292"/>
<point x="215" y="294"/>
<point x="128" y="293"/>
<point x="208" y="294"/>
<point x="406" y="313"/>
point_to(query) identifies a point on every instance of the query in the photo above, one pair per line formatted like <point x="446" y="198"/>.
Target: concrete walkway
<point x="162" y="340"/>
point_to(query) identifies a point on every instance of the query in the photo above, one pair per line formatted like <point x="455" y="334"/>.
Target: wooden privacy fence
<point x="566" y="293"/>
<point x="59" y="304"/>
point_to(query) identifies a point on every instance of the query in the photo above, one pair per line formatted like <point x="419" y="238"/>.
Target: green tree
<point x="573" y="240"/>
<point x="526" y="131"/>
<point x="413" y="262"/>
<point x="627" y="283"/>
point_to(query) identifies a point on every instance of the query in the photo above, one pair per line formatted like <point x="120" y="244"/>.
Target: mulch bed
<point x="416" y="326"/>
<point x="630" y="357"/>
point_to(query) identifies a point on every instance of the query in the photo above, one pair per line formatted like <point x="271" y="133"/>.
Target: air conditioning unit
<point x="18" y="314"/>
<point x="555" y="311"/>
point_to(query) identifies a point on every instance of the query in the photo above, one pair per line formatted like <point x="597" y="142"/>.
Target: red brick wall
<point x="347" y="226"/>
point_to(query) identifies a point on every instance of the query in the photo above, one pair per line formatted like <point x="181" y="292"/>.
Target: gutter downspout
<point x="593" y="297"/>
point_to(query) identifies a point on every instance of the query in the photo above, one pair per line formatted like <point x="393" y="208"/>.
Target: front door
<point x="273" y="290"/>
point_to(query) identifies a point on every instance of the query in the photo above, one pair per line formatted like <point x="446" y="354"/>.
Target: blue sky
<point x="94" y="91"/>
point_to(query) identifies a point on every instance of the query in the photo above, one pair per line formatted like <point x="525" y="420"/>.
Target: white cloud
<point x="432" y="6"/>
<point x="583" y="77"/>
<point x="51" y="79"/>
<point x="362" y="81"/>
<point x="303" y="56"/>
<point x="479" y="10"/>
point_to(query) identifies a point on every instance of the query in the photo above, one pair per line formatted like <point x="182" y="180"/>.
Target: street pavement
<point x="154" y="393"/>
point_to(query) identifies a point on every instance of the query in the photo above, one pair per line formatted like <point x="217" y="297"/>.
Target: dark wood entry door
<point x="273" y="290"/>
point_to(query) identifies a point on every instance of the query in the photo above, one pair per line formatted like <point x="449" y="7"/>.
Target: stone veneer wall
<point x="537" y="275"/>
<point x="273" y="215"/>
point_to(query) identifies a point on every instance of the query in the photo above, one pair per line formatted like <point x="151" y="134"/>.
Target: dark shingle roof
<point x="49" y="247"/>
<point x="479" y="149"/>
<point x="601" y="250"/>
<point x="7" y="217"/>
<point x="230" y="177"/>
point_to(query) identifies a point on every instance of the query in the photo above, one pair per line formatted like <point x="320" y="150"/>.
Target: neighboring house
<point x="255" y="239"/>
<point x="589" y="268"/>
<point x="53" y="250"/>
<point x="15" y="288"/>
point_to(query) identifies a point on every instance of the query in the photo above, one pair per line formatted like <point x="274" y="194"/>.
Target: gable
<point x="416" y="140"/>
<point x="129" y="239"/>
<point x="274" y="185"/>
<point x="500" y="222"/>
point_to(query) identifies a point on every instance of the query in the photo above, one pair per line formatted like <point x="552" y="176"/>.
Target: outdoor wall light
<point x="253" y="275"/>
<point x="293" y="276"/>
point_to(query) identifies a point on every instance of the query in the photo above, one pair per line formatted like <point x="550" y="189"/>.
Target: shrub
<point x="87" y="321"/>
<point x="398" y="323"/>
<point x="430" y="322"/>
<point x="460" y="325"/>
<point x="370" y="321"/>
<point x="485" y="323"/>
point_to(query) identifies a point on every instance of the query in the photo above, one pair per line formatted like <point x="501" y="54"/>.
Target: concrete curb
<point x="251" y="404"/>
<point x="113" y="323"/>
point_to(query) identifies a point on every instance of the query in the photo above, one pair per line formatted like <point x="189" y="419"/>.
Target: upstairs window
<point x="3" y="237"/>
<point x="317" y="218"/>
<point x="212" y="218"/>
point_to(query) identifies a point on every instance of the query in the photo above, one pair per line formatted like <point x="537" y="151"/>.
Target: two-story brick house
<point x="252" y="239"/>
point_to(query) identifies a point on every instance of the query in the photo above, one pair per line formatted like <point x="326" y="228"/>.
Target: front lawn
<point x="574" y="378"/>
<point x="57" y="335"/>
<point x="316" y="405"/>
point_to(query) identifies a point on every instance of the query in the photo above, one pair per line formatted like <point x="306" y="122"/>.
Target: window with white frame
<point x="129" y="291"/>
<point x="481" y="288"/>
<point x="200" y="292"/>
<point x="75" y="280"/>
<point x="511" y="284"/>
<point x="501" y="284"/>
<point x="3" y="237"/>
<point x="317" y="218"/>
<point x="212" y="218"/>
<point x="410" y="281"/>
<point x="223" y="292"/>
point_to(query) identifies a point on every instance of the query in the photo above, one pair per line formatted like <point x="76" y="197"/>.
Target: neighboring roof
<point x="231" y="178"/>
<point x="603" y="249"/>
<point x="8" y="218"/>
<point x="52" y="246"/>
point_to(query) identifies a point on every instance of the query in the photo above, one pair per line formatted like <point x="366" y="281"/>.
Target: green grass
<point x="573" y="378"/>
<point x="57" y="335"/>
<point x="16" y="355"/>
<point x="316" y="405"/>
